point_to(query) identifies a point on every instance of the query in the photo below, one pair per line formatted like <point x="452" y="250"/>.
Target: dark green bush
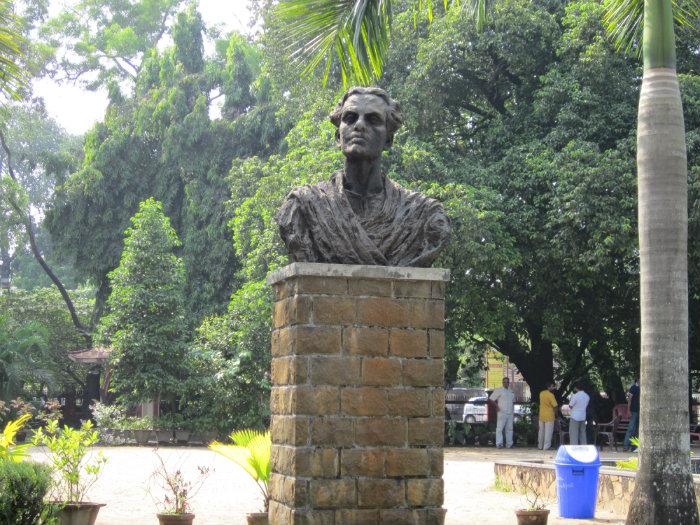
<point x="22" y="490"/>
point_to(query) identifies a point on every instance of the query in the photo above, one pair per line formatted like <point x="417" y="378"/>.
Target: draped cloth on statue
<point x="398" y="227"/>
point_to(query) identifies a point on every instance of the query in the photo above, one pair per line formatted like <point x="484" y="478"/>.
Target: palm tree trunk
<point x="664" y="492"/>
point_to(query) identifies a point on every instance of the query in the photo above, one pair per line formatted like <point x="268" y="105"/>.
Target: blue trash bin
<point x="577" y="469"/>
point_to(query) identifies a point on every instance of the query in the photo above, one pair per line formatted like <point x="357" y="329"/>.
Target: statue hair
<point x="394" y="117"/>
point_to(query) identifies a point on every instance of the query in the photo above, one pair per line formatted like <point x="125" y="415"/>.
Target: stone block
<point x="334" y="370"/>
<point x="281" y="345"/>
<point x="332" y="431"/>
<point x="314" y="400"/>
<point x="334" y="310"/>
<point x="366" y="341"/>
<point x="437" y="343"/>
<point x="332" y="493"/>
<point x="309" y="284"/>
<point x="292" y="311"/>
<point x="438" y="290"/>
<point x="289" y="430"/>
<point x="365" y="462"/>
<point x="317" y="463"/>
<point x="423" y="372"/>
<point x="427" y="314"/>
<point x="412" y="289"/>
<point x="279" y="513"/>
<point x="380" y="493"/>
<point x="377" y="432"/>
<point x="316" y="340"/>
<point x="437" y="461"/>
<point x="430" y="516"/>
<point x="379" y="311"/>
<point x="313" y="517"/>
<point x="407" y="462"/>
<point x="408" y="343"/>
<point x="426" y="431"/>
<point x="370" y="287"/>
<point x="397" y="517"/>
<point x="381" y="371"/>
<point x="364" y="401"/>
<point x="357" y="517"/>
<point x="289" y="490"/>
<point x="428" y="492"/>
<point x="289" y="370"/>
<point x="437" y="406"/>
<point x="412" y="402"/>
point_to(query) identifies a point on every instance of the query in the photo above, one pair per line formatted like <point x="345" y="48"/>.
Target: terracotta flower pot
<point x="83" y="513"/>
<point x="257" y="518"/>
<point x="175" y="519"/>
<point x="532" y="517"/>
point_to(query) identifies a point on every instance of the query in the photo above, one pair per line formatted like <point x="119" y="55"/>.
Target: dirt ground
<point x="228" y="494"/>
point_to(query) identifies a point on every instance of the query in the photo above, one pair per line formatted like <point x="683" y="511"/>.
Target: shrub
<point x="22" y="490"/>
<point x="69" y="450"/>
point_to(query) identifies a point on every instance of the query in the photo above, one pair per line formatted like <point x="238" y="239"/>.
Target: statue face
<point x="362" y="131"/>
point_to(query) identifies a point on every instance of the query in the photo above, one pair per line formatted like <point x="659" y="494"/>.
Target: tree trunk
<point x="664" y="491"/>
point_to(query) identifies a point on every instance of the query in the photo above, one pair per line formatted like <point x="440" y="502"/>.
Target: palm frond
<point x="8" y="447"/>
<point x="355" y="31"/>
<point x="251" y="451"/>
<point x="624" y="20"/>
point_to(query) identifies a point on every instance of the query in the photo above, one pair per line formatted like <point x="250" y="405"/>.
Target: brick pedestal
<point x="357" y="398"/>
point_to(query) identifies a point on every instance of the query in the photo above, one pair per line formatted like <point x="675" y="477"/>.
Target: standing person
<point x="504" y="399"/>
<point x="577" y="423"/>
<point x="633" y="409"/>
<point x="548" y="406"/>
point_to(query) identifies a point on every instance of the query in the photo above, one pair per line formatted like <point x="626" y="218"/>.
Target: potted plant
<point x="75" y="471"/>
<point x="536" y="512"/>
<point x="251" y="451"/>
<point x="178" y="493"/>
<point x="141" y="427"/>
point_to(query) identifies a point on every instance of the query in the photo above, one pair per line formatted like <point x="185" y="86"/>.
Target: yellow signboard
<point x="496" y="363"/>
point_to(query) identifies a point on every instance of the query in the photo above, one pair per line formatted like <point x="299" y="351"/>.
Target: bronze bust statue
<point x="360" y="216"/>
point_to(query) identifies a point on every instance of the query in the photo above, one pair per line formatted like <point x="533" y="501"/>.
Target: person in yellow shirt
<point x="548" y="406"/>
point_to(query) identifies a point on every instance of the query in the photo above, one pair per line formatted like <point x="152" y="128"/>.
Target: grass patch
<point x="502" y="486"/>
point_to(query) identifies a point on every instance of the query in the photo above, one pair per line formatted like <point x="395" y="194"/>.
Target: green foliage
<point x="110" y="48"/>
<point x="355" y="33"/>
<point x="631" y="463"/>
<point x="145" y="321"/>
<point x="23" y="487"/>
<point x="36" y="333"/>
<point x="228" y="382"/>
<point x="251" y="450"/>
<point x="13" y="77"/>
<point x="70" y="456"/>
<point x="161" y="143"/>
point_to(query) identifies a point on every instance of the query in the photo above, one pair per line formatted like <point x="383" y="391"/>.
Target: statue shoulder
<point x="417" y="198"/>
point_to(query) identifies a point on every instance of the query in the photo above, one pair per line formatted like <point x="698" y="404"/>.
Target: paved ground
<point x="228" y="493"/>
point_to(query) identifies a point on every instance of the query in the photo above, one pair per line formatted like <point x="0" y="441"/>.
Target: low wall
<point x="615" y="487"/>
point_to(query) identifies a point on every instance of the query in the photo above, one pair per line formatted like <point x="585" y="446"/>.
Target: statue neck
<point x="363" y="177"/>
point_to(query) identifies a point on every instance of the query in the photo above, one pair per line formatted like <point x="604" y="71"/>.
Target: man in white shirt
<point x="577" y="422"/>
<point x="504" y="399"/>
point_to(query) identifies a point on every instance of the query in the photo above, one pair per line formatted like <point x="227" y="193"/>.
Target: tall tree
<point x="664" y="492"/>
<point x="145" y="321"/>
<point x="98" y="42"/>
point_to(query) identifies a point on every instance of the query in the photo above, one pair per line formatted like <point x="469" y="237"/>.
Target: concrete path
<point x="228" y="494"/>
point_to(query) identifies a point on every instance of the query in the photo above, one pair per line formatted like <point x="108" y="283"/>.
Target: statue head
<point x="375" y="112"/>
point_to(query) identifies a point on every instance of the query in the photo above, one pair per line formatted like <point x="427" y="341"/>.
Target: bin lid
<point x="577" y="455"/>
